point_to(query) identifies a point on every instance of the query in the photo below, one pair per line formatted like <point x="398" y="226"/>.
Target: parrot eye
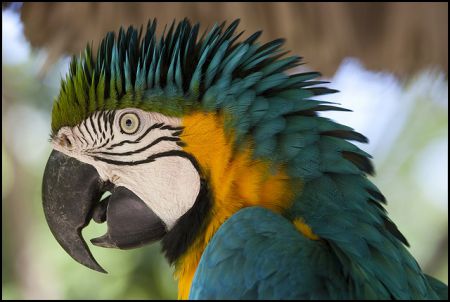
<point x="129" y="123"/>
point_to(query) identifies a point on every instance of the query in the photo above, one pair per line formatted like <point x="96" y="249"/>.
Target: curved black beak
<point x="71" y="191"/>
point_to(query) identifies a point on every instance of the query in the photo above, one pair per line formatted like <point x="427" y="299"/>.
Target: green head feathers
<point x="180" y="72"/>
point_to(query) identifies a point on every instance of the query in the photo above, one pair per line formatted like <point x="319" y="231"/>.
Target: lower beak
<point x="71" y="191"/>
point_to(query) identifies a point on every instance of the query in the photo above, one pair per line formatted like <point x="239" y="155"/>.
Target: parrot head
<point x="183" y="131"/>
<point x="134" y="154"/>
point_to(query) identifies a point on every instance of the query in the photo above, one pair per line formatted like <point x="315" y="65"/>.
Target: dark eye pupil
<point x="128" y="122"/>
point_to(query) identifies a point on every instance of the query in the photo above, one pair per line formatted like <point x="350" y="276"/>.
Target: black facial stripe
<point x="171" y="128"/>
<point x="105" y="143"/>
<point x="150" y="159"/>
<point x="156" y="141"/>
<point x="177" y="133"/>
<point x="87" y="130"/>
<point x="106" y="121"/>
<point x="101" y="146"/>
<point x="181" y="144"/>
<point x="91" y="121"/>
<point x="111" y="116"/>
<point x="82" y="138"/>
<point x="155" y="126"/>
<point x="99" y="126"/>
<point x="100" y="135"/>
<point x="104" y="115"/>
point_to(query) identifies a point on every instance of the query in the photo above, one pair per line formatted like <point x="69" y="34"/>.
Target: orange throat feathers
<point x="236" y="180"/>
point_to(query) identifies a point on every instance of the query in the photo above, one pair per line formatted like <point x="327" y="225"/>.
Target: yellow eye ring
<point x="129" y="123"/>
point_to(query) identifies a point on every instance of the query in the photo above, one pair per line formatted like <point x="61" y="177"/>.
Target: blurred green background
<point x="402" y="106"/>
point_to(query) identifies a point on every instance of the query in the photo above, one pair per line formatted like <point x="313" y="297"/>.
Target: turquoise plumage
<point x="274" y="260"/>
<point x="276" y="263"/>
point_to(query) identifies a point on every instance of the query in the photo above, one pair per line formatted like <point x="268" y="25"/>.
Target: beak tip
<point x="95" y="266"/>
<point x="101" y="270"/>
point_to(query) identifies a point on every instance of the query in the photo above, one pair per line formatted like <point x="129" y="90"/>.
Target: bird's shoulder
<point x="259" y="254"/>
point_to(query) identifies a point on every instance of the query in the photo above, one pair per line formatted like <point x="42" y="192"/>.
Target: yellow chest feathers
<point x="237" y="181"/>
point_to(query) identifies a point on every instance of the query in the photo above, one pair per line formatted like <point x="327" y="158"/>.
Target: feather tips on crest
<point x="133" y="66"/>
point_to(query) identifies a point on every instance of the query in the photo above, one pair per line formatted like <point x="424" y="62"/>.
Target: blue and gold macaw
<point x="208" y="145"/>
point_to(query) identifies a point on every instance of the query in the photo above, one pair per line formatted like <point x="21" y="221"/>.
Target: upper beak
<point x="71" y="191"/>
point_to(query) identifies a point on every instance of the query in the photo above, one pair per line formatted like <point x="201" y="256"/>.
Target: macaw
<point x="209" y="145"/>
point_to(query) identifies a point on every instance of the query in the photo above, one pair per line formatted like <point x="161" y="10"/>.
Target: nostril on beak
<point x="65" y="141"/>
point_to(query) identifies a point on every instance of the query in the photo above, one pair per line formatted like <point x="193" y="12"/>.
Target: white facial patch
<point x="169" y="186"/>
<point x="137" y="150"/>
